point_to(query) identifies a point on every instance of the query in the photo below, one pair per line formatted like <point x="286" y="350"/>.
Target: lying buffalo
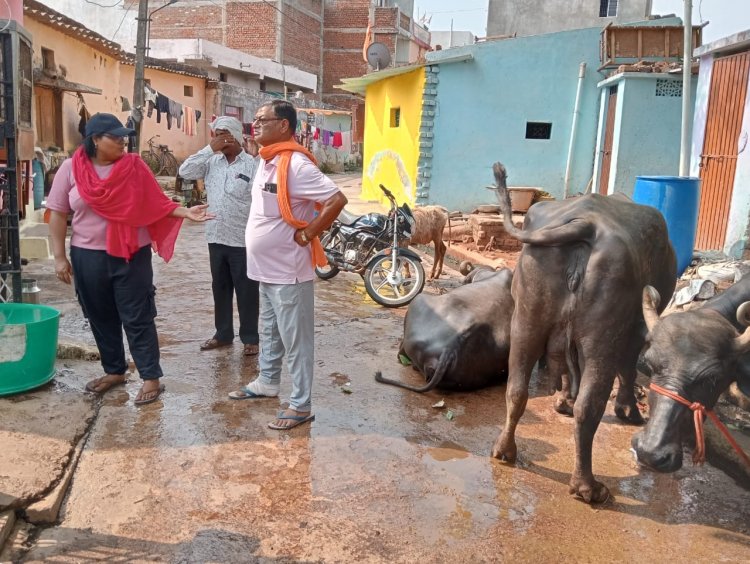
<point x="459" y="340"/>
<point x="577" y="288"/>
<point x="695" y="354"/>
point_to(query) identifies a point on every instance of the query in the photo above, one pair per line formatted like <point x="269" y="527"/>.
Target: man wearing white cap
<point x="228" y="172"/>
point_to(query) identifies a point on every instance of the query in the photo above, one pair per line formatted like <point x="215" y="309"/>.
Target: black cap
<point x="99" y="124"/>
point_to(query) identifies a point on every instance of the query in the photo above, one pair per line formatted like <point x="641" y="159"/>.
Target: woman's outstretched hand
<point x="196" y="213"/>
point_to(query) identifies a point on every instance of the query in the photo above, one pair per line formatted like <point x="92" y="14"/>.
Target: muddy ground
<point x="380" y="476"/>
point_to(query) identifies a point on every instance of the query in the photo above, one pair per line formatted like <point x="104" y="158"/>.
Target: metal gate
<point x="609" y="134"/>
<point x="726" y="104"/>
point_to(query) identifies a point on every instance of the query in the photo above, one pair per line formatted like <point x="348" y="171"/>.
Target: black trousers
<point x="116" y="294"/>
<point x="229" y="277"/>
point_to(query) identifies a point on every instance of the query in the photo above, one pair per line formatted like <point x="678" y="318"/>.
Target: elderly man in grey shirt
<point x="228" y="172"/>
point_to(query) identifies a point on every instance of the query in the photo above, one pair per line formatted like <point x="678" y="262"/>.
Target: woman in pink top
<point x="119" y="214"/>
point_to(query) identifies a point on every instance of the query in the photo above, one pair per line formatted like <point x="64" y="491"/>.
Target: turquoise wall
<point x="647" y="131"/>
<point x="483" y="106"/>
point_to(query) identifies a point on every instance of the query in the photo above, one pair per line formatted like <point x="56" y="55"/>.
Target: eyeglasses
<point x="261" y="121"/>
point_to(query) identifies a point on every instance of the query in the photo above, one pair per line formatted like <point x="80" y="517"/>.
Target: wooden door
<point x="726" y="104"/>
<point x="46" y="118"/>
<point x="609" y="135"/>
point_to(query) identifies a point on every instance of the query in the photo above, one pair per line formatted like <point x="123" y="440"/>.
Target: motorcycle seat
<point x="348" y="218"/>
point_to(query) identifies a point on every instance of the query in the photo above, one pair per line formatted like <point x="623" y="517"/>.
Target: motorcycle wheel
<point x="329" y="271"/>
<point x="397" y="291"/>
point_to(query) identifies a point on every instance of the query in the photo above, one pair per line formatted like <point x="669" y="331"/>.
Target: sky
<point x="725" y="16"/>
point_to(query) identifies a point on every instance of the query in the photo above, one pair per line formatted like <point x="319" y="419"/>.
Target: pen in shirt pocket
<point x="243" y="177"/>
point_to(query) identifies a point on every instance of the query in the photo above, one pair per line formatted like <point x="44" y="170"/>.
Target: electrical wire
<point x="102" y="5"/>
<point x="123" y="19"/>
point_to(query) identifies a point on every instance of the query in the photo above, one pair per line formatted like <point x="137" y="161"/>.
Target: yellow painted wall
<point x="82" y="64"/>
<point x="391" y="153"/>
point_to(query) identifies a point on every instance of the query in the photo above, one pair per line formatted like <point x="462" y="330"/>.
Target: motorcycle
<point x="374" y="246"/>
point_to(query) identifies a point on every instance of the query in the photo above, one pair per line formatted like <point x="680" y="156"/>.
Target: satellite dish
<point x="378" y="55"/>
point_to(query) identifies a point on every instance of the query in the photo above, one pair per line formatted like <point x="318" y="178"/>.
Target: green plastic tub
<point x="28" y="346"/>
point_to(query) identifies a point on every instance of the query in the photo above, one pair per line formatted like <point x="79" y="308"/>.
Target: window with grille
<point x="669" y="88"/>
<point x="233" y="111"/>
<point x="608" y="8"/>
<point x="538" y="130"/>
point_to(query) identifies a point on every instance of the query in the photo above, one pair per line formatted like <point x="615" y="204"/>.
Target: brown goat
<point x="429" y="224"/>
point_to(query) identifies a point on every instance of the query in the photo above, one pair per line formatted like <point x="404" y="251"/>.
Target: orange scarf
<point x="285" y="150"/>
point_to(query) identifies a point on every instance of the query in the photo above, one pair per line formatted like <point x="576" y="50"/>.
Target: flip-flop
<point x="96" y="381"/>
<point x="162" y="387"/>
<point x="298" y="420"/>
<point x="246" y="393"/>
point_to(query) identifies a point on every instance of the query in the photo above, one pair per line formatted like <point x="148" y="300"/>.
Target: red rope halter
<point x="698" y="409"/>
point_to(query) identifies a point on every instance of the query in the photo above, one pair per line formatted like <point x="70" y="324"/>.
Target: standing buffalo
<point x="459" y="340"/>
<point x="577" y="288"/>
<point x="696" y="354"/>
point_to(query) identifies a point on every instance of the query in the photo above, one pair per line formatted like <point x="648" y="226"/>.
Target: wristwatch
<point x="303" y="236"/>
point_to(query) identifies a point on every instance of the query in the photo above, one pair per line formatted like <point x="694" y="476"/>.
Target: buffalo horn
<point x="743" y="314"/>
<point x="651" y="301"/>
<point x="742" y="343"/>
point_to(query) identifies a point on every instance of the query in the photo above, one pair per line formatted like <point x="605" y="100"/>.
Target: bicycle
<point x="159" y="159"/>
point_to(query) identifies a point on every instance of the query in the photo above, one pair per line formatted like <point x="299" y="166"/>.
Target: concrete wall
<point x="216" y="58"/>
<point x="173" y="86"/>
<point x="513" y="82"/>
<point x="447" y="39"/>
<point x="647" y="129"/>
<point x="82" y="64"/>
<point x="534" y="17"/>
<point x="391" y="153"/>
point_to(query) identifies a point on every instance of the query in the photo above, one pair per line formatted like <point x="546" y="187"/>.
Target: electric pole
<point x="140" y="57"/>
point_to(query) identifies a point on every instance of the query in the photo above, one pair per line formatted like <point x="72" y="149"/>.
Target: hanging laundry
<point x="316" y="133"/>
<point x="85" y="117"/>
<point x="336" y="140"/>
<point x="346" y="140"/>
<point x="150" y="97"/>
<point x="175" y="112"/>
<point x="197" y="116"/>
<point x="130" y="124"/>
<point x="188" y="123"/>
<point x="162" y="107"/>
<point x="326" y="138"/>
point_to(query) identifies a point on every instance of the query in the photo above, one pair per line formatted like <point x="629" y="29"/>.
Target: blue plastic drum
<point x="677" y="198"/>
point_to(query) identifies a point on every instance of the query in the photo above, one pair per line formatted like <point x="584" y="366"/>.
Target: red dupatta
<point x="128" y="198"/>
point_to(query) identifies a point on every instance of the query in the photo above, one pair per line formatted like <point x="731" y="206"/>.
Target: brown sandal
<point x="158" y="393"/>
<point x="251" y="349"/>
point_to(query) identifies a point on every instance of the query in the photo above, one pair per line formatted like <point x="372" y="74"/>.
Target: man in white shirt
<point x="282" y="243"/>
<point x="228" y="171"/>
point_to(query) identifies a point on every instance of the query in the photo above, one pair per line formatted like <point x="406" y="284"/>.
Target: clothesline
<point x="173" y="110"/>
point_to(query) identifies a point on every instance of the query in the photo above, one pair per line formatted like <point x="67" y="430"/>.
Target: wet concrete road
<point x="380" y="476"/>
